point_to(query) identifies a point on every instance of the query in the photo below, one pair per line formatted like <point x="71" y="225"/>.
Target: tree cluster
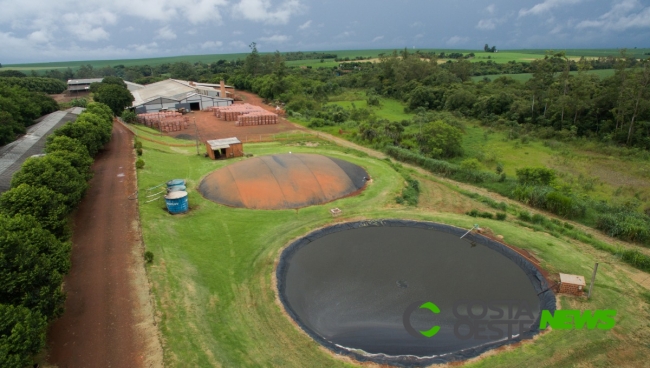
<point x="34" y="233"/>
<point x="113" y="93"/>
<point x="36" y="84"/>
<point x="18" y="109"/>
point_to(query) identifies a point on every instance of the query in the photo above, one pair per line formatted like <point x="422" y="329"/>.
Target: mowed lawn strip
<point x="215" y="296"/>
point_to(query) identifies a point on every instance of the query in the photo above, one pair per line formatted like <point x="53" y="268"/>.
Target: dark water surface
<point x="351" y="288"/>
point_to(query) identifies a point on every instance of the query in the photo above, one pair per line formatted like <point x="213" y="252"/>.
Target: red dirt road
<point x="108" y="319"/>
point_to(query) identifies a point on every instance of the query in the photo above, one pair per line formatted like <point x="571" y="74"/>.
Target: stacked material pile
<point x="245" y="114"/>
<point x="257" y="118"/>
<point x="165" y="121"/>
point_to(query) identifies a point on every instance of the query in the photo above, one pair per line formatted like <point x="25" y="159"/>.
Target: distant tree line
<point x="35" y="235"/>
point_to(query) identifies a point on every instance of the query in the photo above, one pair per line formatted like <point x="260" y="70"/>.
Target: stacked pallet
<point x="257" y="118"/>
<point x="232" y="112"/>
<point x="150" y="117"/>
<point x="173" y="124"/>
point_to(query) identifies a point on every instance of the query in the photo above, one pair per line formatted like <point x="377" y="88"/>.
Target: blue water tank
<point x="177" y="188"/>
<point x="177" y="202"/>
<point x="175" y="182"/>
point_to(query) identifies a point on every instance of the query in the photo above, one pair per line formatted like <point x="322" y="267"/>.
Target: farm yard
<point x="305" y="146"/>
<point x="215" y="293"/>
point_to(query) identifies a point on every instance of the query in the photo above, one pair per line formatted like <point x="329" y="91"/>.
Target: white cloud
<point x="417" y="25"/>
<point x="546" y="6"/>
<point x="491" y="9"/>
<point x="419" y="35"/>
<point x="166" y="33"/>
<point x="305" y="25"/>
<point x="211" y="44"/>
<point x="201" y="11"/>
<point x="237" y="33"/>
<point x="264" y="11"/>
<point x="378" y="38"/>
<point x="238" y="44"/>
<point x="345" y="34"/>
<point x="486" y="24"/>
<point x="457" y="40"/>
<point x="275" y="39"/>
<point x="85" y="32"/>
<point x="145" y="48"/>
<point x="39" y="37"/>
<point x="89" y="26"/>
<point x="623" y="15"/>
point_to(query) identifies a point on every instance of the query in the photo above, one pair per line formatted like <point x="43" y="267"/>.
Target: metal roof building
<point x="175" y="94"/>
<point x="79" y="85"/>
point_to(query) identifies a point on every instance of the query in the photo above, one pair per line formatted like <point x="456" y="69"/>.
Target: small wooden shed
<point x="572" y="284"/>
<point x="224" y="148"/>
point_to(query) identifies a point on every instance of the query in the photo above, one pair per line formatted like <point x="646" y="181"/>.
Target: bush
<point x="137" y="145"/>
<point x="73" y="151"/>
<point x="139" y="164"/>
<point x="138" y="151"/>
<point x="525" y="216"/>
<point x="148" y="257"/>
<point x="476" y="213"/>
<point x="501" y="216"/>
<point x="129" y="116"/>
<point x="410" y="194"/>
<point x="535" y="176"/>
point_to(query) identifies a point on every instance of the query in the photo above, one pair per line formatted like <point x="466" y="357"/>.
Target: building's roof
<point x="133" y="86"/>
<point x="572" y="279"/>
<point x="222" y="143"/>
<point x="169" y="88"/>
<point x="84" y="81"/>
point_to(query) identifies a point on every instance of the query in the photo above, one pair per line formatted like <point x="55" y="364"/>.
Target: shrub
<point x="129" y="116"/>
<point x="524" y="216"/>
<point x="501" y="216"/>
<point x="148" y="257"/>
<point x="410" y="194"/>
<point x="139" y="164"/>
<point x="137" y="144"/>
<point x="139" y="151"/>
<point x="535" y="176"/>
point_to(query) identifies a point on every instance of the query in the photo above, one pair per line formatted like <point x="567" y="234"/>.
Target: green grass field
<point x="213" y="270"/>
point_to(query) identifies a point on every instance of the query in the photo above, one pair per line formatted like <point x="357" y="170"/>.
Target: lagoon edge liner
<point x="546" y="296"/>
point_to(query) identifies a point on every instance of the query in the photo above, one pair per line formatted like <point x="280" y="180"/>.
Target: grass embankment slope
<point x="213" y="271"/>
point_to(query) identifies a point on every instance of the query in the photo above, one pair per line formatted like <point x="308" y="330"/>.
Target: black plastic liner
<point x="546" y="296"/>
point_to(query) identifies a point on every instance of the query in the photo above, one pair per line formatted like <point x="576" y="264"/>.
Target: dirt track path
<point x="108" y="317"/>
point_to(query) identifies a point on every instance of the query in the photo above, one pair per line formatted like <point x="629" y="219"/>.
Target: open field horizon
<point x="501" y="56"/>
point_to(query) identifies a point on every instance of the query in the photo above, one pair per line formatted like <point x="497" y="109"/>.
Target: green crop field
<point x="523" y="77"/>
<point x="214" y="290"/>
<point x="499" y="57"/>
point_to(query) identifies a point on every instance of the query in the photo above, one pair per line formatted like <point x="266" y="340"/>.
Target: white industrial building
<point x="83" y="85"/>
<point x="172" y="94"/>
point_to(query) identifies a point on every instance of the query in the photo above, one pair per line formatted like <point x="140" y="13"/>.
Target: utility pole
<point x="196" y="134"/>
<point x="593" y="280"/>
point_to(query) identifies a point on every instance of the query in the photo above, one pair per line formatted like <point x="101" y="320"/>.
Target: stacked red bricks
<point x="257" y="118"/>
<point x="245" y="115"/>
<point x="165" y="121"/>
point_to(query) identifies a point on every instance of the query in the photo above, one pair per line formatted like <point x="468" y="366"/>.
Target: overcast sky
<point x="59" y="30"/>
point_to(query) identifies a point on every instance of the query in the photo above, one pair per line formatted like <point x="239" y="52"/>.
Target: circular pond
<point x="410" y="293"/>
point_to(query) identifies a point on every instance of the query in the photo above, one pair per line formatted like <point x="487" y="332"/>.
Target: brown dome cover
<point x="283" y="181"/>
